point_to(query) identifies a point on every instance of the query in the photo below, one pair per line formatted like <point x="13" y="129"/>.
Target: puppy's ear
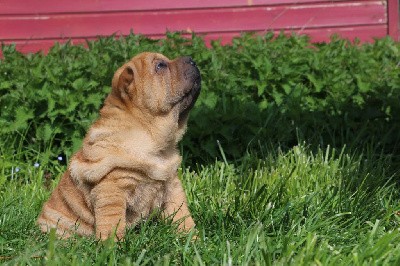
<point x="121" y="81"/>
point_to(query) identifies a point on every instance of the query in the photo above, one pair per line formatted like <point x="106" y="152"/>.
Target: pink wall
<point x="35" y="25"/>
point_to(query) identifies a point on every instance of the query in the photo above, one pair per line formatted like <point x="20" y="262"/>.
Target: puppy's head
<point x="155" y="85"/>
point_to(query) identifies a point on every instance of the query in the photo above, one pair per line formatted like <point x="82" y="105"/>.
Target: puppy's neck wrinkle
<point x="162" y="132"/>
<point x="115" y="102"/>
<point x="115" y="106"/>
<point x="161" y="128"/>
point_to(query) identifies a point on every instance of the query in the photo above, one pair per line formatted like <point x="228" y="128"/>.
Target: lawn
<point x="297" y="207"/>
<point x="292" y="156"/>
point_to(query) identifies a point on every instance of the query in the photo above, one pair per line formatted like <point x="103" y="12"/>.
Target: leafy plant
<point x="260" y="89"/>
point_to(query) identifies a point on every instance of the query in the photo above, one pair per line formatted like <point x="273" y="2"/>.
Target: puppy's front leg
<point x="109" y="204"/>
<point x="176" y="205"/>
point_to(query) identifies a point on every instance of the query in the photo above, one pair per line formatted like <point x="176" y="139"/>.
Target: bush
<point x="260" y="89"/>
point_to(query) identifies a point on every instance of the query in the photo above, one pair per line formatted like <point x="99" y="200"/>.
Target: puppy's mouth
<point x="188" y="100"/>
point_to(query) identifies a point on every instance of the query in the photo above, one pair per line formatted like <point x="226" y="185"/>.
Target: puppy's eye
<point x="161" y="65"/>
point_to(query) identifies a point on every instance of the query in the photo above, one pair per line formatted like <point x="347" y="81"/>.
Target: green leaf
<point x="44" y="132"/>
<point x="22" y="116"/>
<point x="317" y="84"/>
<point x="260" y="89"/>
<point x="79" y="84"/>
<point x="210" y="100"/>
<point x="287" y="88"/>
<point x="5" y="85"/>
<point x="362" y="86"/>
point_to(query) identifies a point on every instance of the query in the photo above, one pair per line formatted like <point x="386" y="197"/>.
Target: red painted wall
<point x="36" y="24"/>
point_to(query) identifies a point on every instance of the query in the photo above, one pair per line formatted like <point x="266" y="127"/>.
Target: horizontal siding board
<point x="364" y="33"/>
<point x="202" y="21"/>
<point x="82" y="6"/>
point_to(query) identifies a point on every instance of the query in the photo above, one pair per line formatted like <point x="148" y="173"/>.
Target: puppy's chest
<point x="141" y="202"/>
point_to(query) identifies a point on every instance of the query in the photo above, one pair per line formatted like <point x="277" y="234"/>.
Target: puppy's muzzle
<point x="192" y="76"/>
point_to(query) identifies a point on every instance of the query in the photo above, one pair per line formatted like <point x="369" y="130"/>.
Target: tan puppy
<point x="127" y="166"/>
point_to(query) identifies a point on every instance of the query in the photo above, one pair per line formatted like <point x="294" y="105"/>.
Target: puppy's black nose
<point x="189" y="60"/>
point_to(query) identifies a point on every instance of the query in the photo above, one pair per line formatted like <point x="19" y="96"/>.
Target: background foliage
<point x="260" y="89"/>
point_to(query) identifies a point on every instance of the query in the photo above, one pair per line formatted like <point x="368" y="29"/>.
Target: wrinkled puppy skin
<point x="127" y="165"/>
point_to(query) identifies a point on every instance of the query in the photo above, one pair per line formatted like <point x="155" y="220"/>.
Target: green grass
<point x="299" y="207"/>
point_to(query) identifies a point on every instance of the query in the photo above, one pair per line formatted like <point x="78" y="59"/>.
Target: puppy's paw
<point x="104" y="235"/>
<point x="189" y="227"/>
